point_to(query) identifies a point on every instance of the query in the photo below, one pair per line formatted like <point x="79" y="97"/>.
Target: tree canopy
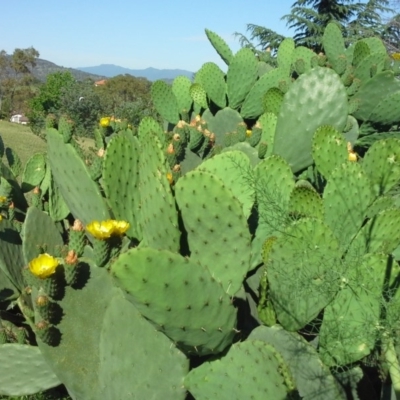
<point x="308" y="19"/>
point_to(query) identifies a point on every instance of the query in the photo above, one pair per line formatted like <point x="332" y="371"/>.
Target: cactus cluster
<point x="196" y="258"/>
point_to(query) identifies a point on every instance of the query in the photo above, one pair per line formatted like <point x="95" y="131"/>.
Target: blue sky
<point x="131" y="33"/>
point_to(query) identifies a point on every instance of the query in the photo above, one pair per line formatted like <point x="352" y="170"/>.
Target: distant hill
<point x="152" y="74"/>
<point x="44" y="68"/>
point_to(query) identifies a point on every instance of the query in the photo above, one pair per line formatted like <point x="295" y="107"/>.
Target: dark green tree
<point x="126" y="97"/>
<point x="48" y="99"/>
<point x="369" y="21"/>
<point x="82" y="105"/>
<point x="308" y="19"/>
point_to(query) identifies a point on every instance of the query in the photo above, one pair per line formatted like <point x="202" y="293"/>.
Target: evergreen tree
<point x="309" y="18"/>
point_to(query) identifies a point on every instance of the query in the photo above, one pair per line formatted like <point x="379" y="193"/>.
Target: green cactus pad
<point x="333" y="44"/>
<point x="313" y="379"/>
<point x="45" y="184"/>
<point x="25" y="372"/>
<point x="285" y="54"/>
<point x="11" y="259"/>
<point x="373" y="91"/>
<point x="165" y="101"/>
<point x="121" y="180"/>
<point x="387" y="111"/>
<point x="250" y="361"/>
<point x="245" y="147"/>
<point x="152" y="367"/>
<point x="382" y="164"/>
<point x="305" y="54"/>
<point x="40" y="234"/>
<point x="58" y="209"/>
<point x="179" y="296"/>
<point x="14" y="162"/>
<point x="363" y="70"/>
<point x="79" y="191"/>
<point x="76" y="359"/>
<point x="317" y="98"/>
<point x="273" y="101"/>
<point x="8" y="291"/>
<point x="212" y="79"/>
<point x="329" y="149"/>
<point x="274" y="185"/>
<point x="252" y="106"/>
<point x="350" y="324"/>
<point x="305" y="202"/>
<point x="347" y="197"/>
<point x="263" y="68"/>
<point x="201" y="196"/>
<point x="241" y="76"/>
<point x="351" y="135"/>
<point x="234" y="169"/>
<point x="380" y="204"/>
<point x="379" y="235"/>
<point x="158" y="220"/>
<point x="180" y="88"/>
<point x="268" y="123"/>
<point x="34" y="172"/>
<point x="199" y="95"/>
<point x="360" y="52"/>
<point x="224" y="121"/>
<point x="220" y="46"/>
<point x="302" y="271"/>
<point x="149" y="127"/>
<point x="375" y="45"/>
<point x="12" y="185"/>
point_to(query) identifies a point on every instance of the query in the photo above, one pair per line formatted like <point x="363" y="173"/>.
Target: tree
<point x="126" y="97"/>
<point x="392" y="34"/>
<point x="309" y="18"/>
<point x="82" y="104"/>
<point x="16" y="76"/>
<point x="48" y="99"/>
<point x="369" y="22"/>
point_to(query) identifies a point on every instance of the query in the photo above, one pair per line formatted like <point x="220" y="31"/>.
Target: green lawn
<point x="21" y="139"/>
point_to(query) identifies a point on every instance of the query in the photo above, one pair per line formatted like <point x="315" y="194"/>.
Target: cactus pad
<point x="179" y="296"/>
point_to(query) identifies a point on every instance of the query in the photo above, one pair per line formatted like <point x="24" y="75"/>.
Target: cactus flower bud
<point x="78" y="226"/>
<point x="71" y="258"/>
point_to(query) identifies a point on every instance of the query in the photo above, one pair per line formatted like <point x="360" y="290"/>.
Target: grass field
<point x="21" y="139"/>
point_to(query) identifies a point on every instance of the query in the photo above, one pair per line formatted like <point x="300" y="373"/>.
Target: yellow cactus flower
<point x="1" y="217"/>
<point x="43" y="266"/>
<point x="120" y="227"/>
<point x="3" y="199"/>
<point x="396" y="56"/>
<point x="105" y="121"/>
<point x="105" y="229"/>
<point x="170" y="179"/>
<point x="101" y="230"/>
<point x="352" y="156"/>
<point x="249" y="132"/>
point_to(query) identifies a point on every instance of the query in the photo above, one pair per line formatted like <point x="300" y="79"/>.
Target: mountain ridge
<point x="150" y="73"/>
